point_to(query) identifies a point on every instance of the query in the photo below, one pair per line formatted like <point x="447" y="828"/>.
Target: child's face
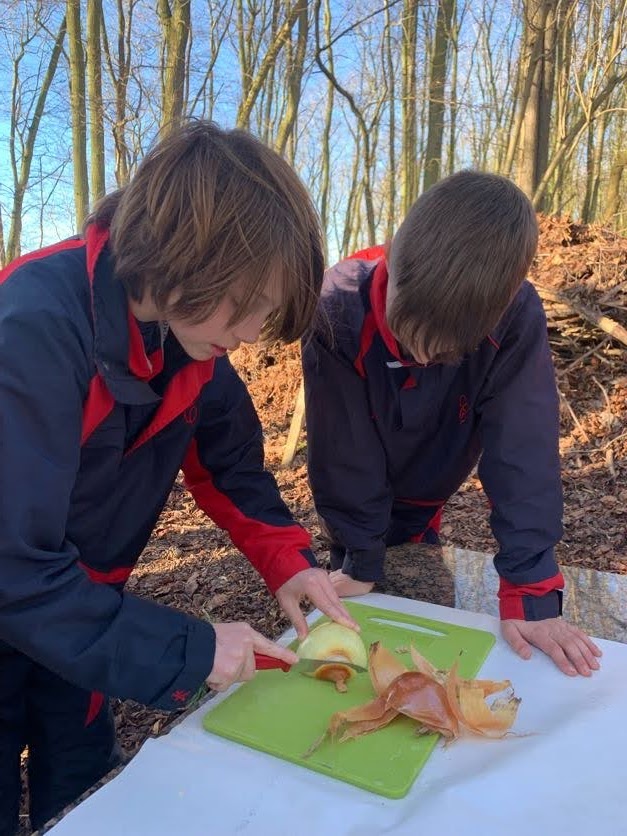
<point x="214" y="336"/>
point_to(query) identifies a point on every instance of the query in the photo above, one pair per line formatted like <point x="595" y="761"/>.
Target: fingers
<point x="263" y="645"/>
<point x="592" y="647"/>
<point x="581" y="651"/>
<point x="327" y="600"/>
<point x="316" y="586"/>
<point x="514" y="638"/>
<point x="570" y="648"/>
<point x="291" y="608"/>
<point x="555" y="652"/>
<point x="234" y="661"/>
<point x="329" y="603"/>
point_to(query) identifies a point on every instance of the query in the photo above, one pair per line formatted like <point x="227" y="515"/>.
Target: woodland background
<point x="371" y="102"/>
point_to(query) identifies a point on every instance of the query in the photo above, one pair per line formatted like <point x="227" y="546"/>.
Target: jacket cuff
<point x="286" y="565"/>
<point x="200" y="651"/>
<point x="365" y="564"/>
<point x="531" y="602"/>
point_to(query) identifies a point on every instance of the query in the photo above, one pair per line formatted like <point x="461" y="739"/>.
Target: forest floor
<point x="190" y="563"/>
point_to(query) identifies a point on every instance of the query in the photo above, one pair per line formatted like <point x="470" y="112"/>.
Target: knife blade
<point x="263" y="662"/>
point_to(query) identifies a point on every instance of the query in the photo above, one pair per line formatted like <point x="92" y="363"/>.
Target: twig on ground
<point x="571" y="412"/>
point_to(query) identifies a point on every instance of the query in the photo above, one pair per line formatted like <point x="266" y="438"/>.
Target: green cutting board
<point x="284" y="713"/>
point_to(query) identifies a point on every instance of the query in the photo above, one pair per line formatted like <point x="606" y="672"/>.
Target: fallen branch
<point x="605" y="323"/>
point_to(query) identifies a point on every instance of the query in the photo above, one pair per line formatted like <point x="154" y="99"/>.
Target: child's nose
<point x="249" y="329"/>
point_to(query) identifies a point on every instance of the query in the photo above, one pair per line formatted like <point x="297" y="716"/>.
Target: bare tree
<point x="613" y="203"/>
<point x="119" y="64"/>
<point x="254" y="77"/>
<point x="409" y="144"/>
<point x="219" y="18"/>
<point x="538" y="57"/>
<point x="78" y="110"/>
<point x="175" y="17"/>
<point x="21" y="167"/>
<point x="437" y="82"/>
<point x="294" y="80"/>
<point x="607" y="28"/>
<point x="94" y="87"/>
<point x="325" y="174"/>
<point x="390" y="70"/>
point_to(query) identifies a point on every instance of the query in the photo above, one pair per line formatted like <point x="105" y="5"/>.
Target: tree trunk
<point x="563" y="115"/>
<point x="325" y="173"/>
<point x="78" y="111"/>
<point x="452" y="135"/>
<point x="254" y="88"/>
<point x="364" y="133"/>
<point x="597" y="133"/>
<point x="120" y="79"/>
<point x="409" y="150"/>
<point x="94" y="87"/>
<point x="294" y="81"/>
<point x="390" y="72"/>
<point x="437" y="83"/>
<point x="176" y="29"/>
<point x="539" y="48"/>
<point x="570" y="140"/>
<point x="613" y="197"/>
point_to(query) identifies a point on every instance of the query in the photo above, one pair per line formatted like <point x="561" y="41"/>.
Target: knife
<point x="263" y="663"/>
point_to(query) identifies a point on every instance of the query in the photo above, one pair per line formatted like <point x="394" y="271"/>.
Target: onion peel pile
<point x="439" y="701"/>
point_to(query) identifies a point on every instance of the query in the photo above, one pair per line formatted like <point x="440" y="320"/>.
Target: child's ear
<point x="386" y="249"/>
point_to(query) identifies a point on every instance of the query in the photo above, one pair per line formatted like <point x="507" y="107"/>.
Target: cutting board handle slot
<point x="416" y="628"/>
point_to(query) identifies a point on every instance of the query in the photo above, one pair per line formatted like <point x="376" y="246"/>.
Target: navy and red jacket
<point x="97" y="417"/>
<point x="390" y="441"/>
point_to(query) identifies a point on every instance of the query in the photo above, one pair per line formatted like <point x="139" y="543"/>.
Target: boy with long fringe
<point x="113" y="376"/>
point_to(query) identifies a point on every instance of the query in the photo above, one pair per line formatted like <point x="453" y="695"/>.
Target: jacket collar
<point x="119" y="351"/>
<point x="378" y="293"/>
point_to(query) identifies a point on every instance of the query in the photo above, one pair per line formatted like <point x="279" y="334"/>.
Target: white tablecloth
<point x="568" y="776"/>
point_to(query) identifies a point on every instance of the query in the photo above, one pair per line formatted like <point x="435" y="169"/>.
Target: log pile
<point x="581" y="275"/>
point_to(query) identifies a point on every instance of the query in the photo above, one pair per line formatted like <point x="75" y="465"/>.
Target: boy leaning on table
<point x="428" y="357"/>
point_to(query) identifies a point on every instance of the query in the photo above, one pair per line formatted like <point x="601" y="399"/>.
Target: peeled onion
<point x="336" y="645"/>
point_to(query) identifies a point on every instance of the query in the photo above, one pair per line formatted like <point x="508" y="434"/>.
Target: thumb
<point x="516" y="640"/>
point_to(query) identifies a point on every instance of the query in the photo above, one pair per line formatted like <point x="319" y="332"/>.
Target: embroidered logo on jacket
<point x="190" y="415"/>
<point x="180" y="696"/>
<point x="464" y="409"/>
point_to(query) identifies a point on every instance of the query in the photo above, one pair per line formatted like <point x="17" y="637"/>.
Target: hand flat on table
<point x="569" y="647"/>
<point x="345" y="586"/>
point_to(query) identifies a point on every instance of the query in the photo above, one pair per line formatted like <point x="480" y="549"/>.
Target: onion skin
<point x="439" y="701"/>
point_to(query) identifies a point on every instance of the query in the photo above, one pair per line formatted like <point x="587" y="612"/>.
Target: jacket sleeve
<point x="347" y="466"/>
<point x="91" y="634"/>
<point x="224" y="471"/>
<point x="520" y="466"/>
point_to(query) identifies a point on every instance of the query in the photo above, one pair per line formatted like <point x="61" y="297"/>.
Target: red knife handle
<point x="265" y="663"/>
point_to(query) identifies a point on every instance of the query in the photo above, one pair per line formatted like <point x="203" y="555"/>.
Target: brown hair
<point x="206" y="207"/>
<point x="457" y="261"/>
